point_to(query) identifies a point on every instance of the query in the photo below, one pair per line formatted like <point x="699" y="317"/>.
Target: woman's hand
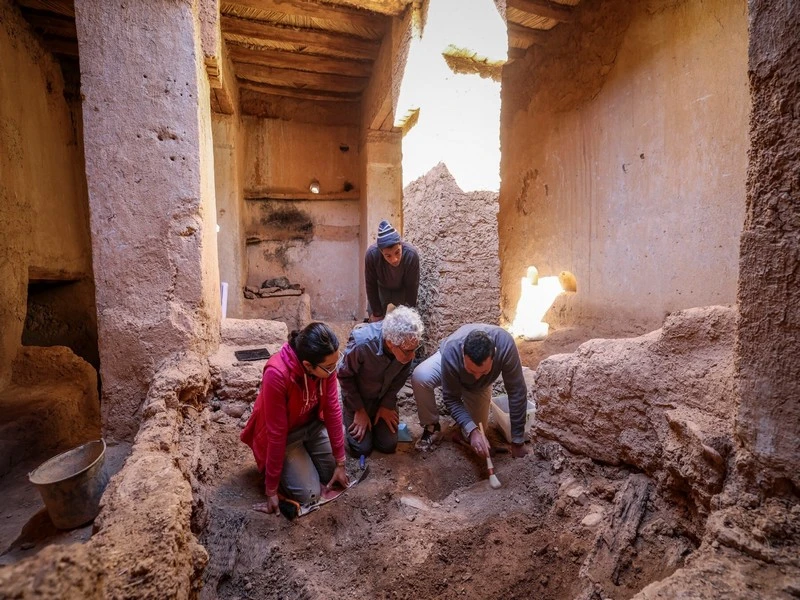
<point x="360" y="425"/>
<point x="270" y="506"/>
<point x="340" y="477"/>
<point x="389" y="416"/>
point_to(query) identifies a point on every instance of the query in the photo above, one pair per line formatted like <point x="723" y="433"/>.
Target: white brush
<point x="493" y="480"/>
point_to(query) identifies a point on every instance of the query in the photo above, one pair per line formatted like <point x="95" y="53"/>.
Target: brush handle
<point x="489" y="464"/>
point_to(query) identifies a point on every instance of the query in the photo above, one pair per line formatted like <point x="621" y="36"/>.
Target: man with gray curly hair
<point x="376" y="364"/>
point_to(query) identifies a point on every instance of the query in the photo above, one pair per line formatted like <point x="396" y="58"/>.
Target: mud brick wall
<point x="456" y="235"/>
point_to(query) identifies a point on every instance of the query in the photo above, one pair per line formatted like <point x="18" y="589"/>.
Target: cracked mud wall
<point x="313" y="242"/>
<point x="768" y="351"/>
<point x="142" y="545"/>
<point x="624" y="154"/>
<point x="44" y="231"/>
<point x="456" y="236"/>
<point x="149" y="165"/>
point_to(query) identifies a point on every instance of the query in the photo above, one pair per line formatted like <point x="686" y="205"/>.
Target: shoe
<point x="431" y="436"/>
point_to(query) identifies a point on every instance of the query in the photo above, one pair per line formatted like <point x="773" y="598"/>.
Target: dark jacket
<point x="378" y="272"/>
<point x="369" y="375"/>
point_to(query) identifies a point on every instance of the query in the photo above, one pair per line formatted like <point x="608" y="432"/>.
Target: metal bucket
<point x="72" y="483"/>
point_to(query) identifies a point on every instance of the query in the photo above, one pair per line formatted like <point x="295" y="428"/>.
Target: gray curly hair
<point x="403" y="325"/>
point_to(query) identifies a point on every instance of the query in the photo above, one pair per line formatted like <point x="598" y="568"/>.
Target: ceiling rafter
<point x="65" y="8"/>
<point x="333" y="43"/>
<point x="524" y="37"/>
<point x="301" y="62"/>
<point x="52" y="25"/>
<point x="544" y="8"/>
<point x="275" y="90"/>
<point x="312" y="8"/>
<point x="300" y="79"/>
<point x="390" y="8"/>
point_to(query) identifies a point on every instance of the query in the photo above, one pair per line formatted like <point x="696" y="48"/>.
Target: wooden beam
<point x="312" y="8"/>
<point x="264" y="193"/>
<point x="65" y="8"/>
<point x="524" y="37"/>
<point x="299" y="61"/>
<point x="384" y="111"/>
<point x="61" y="46"/>
<point x="384" y="7"/>
<point x="51" y="24"/>
<point x="317" y="96"/>
<point x="300" y="79"/>
<point x="544" y="8"/>
<point x="328" y="43"/>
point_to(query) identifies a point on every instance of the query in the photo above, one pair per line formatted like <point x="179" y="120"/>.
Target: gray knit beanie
<point x="387" y="235"/>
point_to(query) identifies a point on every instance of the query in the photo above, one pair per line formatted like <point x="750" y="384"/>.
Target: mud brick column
<point x="382" y="193"/>
<point x="768" y="352"/>
<point x="150" y="172"/>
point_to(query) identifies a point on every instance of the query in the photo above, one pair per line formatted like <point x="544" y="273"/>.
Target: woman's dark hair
<point x="314" y="342"/>
<point x="478" y="346"/>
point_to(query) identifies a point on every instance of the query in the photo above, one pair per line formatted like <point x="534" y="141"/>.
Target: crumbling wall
<point x="456" y="236"/>
<point x="50" y="405"/>
<point x="624" y="154"/>
<point x="663" y="402"/>
<point x="312" y="242"/>
<point x="43" y="206"/>
<point x="143" y="545"/>
<point x="768" y="352"/>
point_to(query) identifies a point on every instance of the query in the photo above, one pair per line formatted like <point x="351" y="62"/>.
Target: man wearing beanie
<point x="391" y="272"/>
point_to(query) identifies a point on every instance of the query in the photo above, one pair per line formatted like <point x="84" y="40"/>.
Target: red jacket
<point x="287" y="400"/>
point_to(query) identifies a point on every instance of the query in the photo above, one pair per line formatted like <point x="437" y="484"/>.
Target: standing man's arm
<point x="411" y="281"/>
<point x="371" y="282"/>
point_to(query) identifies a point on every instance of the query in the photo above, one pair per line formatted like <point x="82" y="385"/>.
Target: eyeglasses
<point x="408" y="350"/>
<point x="336" y="366"/>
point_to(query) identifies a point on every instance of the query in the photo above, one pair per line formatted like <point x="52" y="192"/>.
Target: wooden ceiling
<point x="306" y="48"/>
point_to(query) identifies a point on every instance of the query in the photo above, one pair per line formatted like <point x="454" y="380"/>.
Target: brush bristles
<point x="494" y="482"/>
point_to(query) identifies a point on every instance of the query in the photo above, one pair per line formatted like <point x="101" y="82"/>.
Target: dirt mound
<point x="428" y="525"/>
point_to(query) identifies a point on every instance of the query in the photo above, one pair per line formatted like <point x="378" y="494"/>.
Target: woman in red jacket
<point x="296" y="431"/>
